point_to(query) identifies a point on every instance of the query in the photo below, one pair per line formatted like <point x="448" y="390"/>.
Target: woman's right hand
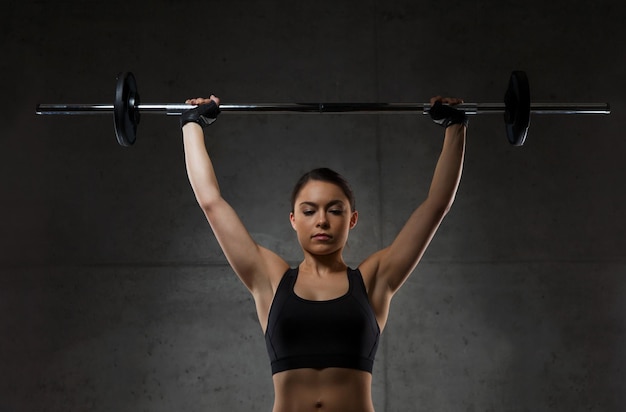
<point x="203" y="100"/>
<point x="205" y="112"/>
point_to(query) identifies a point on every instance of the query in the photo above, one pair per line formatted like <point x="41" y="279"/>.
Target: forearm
<point x="447" y="173"/>
<point x="199" y="166"/>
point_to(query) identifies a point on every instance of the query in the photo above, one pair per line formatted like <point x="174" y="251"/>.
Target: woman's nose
<point x="322" y="221"/>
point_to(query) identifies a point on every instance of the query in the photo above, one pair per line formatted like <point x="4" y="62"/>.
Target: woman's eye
<point x="336" y="212"/>
<point x="307" y="212"/>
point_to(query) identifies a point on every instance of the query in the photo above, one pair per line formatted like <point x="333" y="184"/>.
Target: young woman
<point x="322" y="319"/>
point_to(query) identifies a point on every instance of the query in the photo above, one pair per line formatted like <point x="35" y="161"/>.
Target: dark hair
<point x="324" y="174"/>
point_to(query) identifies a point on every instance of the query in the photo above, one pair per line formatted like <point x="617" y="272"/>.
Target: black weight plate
<point x="517" y="108"/>
<point x="125" y="113"/>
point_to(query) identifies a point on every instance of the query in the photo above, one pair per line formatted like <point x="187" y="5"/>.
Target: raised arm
<point x="387" y="269"/>
<point x="255" y="265"/>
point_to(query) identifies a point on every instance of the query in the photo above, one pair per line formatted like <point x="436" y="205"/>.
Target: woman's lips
<point x="321" y="236"/>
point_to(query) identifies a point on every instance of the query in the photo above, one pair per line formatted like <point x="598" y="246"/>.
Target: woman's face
<point x="322" y="217"/>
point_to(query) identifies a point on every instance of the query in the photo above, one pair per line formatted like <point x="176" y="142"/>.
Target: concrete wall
<point x="115" y="297"/>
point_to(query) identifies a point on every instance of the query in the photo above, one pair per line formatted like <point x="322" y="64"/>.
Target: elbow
<point x="448" y="206"/>
<point x="207" y="195"/>
<point x="208" y="202"/>
<point x="441" y="207"/>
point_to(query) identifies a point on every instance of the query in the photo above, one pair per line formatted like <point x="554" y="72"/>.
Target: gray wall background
<point x="115" y="297"/>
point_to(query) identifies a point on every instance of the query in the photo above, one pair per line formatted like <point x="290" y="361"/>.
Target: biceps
<point x="244" y="255"/>
<point x="407" y="249"/>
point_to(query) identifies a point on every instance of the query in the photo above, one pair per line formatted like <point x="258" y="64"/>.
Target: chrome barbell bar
<point x="174" y="109"/>
<point x="516" y="108"/>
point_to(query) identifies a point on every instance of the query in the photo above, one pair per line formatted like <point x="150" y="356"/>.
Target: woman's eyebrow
<point x="331" y="203"/>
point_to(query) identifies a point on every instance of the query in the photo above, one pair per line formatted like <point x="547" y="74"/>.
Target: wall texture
<point x="114" y="295"/>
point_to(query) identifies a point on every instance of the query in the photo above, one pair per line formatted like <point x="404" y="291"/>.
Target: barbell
<point x="516" y="108"/>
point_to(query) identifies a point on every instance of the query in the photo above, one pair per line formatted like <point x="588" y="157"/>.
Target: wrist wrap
<point x="204" y="115"/>
<point x="446" y="116"/>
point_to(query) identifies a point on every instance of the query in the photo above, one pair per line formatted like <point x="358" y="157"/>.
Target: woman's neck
<point x="323" y="264"/>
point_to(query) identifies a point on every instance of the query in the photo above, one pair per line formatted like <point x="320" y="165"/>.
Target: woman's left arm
<point x="386" y="270"/>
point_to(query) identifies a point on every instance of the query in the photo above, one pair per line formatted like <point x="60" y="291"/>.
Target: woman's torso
<point x="322" y="386"/>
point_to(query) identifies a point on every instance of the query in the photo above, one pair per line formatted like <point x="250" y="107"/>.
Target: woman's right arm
<point x="257" y="267"/>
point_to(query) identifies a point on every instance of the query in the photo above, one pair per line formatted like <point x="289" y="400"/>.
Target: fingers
<point x="446" y="100"/>
<point x="203" y="100"/>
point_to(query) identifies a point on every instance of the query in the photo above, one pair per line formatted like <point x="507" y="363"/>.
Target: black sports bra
<point x="341" y="332"/>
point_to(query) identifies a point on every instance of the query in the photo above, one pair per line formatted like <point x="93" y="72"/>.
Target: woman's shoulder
<point x="371" y="265"/>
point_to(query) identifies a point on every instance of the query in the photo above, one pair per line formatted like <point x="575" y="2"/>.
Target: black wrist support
<point x="445" y="115"/>
<point x="204" y="114"/>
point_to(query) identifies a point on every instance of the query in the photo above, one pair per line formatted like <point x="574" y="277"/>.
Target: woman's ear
<point x="292" y="219"/>
<point x="354" y="219"/>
